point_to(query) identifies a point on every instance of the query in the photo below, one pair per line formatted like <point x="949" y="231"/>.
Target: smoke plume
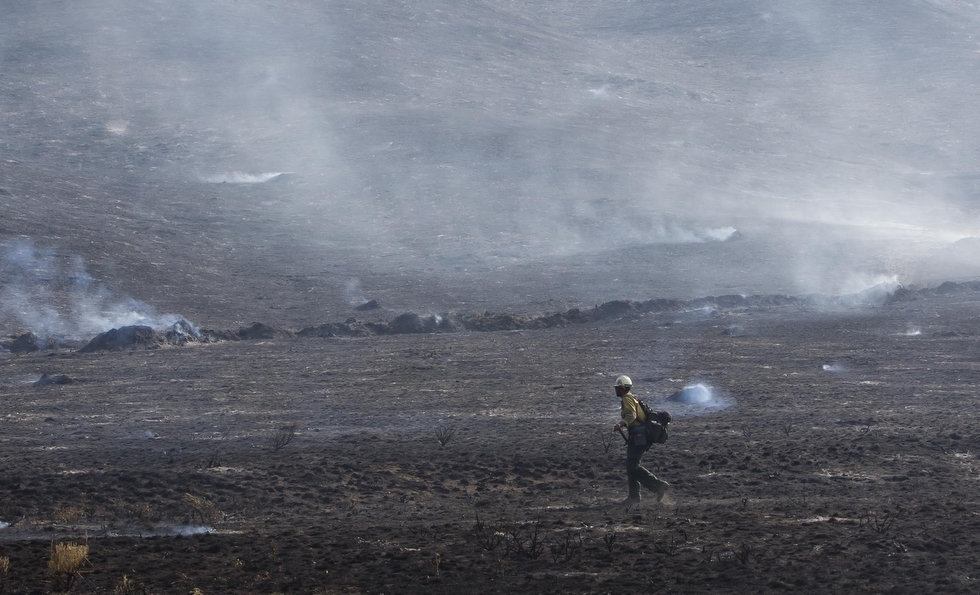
<point x="53" y="295"/>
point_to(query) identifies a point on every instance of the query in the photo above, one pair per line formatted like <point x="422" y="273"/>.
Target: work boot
<point x="630" y="502"/>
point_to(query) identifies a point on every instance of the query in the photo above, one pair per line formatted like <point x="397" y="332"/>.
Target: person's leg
<point x="633" y="455"/>
<point x="649" y="480"/>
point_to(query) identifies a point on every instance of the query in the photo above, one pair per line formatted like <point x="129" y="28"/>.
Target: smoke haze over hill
<point x="567" y="144"/>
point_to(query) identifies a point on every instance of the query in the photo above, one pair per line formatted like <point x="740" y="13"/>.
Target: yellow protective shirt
<point x="631" y="411"/>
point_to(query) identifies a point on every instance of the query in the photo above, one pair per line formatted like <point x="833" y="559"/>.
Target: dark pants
<point x="636" y="474"/>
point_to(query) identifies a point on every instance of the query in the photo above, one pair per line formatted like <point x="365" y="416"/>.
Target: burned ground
<point x="318" y="463"/>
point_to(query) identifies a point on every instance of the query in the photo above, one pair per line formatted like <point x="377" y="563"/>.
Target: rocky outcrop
<point x="125" y="337"/>
<point x="182" y="332"/>
<point x="368" y="306"/>
<point x="257" y="330"/>
<point x="26" y="343"/>
<point x="46" y="380"/>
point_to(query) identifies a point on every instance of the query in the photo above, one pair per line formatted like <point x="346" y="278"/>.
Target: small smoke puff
<point x="237" y="177"/>
<point x="672" y="233"/>
<point x="55" y="296"/>
<point x="353" y="294"/>
<point x="117" y="127"/>
<point x="913" y="331"/>
<point x="693" y="394"/>
<point x="720" y="234"/>
<point x="862" y="283"/>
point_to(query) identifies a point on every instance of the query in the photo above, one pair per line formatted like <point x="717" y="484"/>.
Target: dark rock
<point x="257" y="330"/>
<point x="209" y="335"/>
<point x="369" y="305"/>
<point x="26" y="343"/>
<point x="730" y="301"/>
<point x="902" y="294"/>
<point x="660" y="305"/>
<point x="699" y="303"/>
<point x="125" y="337"/>
<point x="46" y="380"/>
<point x="412" y="323"/>
<point x="613" y="309"/>
<point x="493" y="322"/>
<point x="406" y="323"/>
<point x="349" y="328"/>
<point x="573" y="316"/>
<point x="768" y="301"/>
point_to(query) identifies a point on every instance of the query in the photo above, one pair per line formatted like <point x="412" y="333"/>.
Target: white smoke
<point x="673" y="233"/>
<point x="55" y="296"/>
<point x="353" y="294"/>
<point x="863" y="282"/>
<point x="237" y="177"/>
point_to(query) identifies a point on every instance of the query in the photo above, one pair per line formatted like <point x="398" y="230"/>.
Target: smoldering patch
<point x="55" y="299"/>
<point x="117" y="127"/>
<point x="239" y="177"/>
<point x="693" y="394"/>
<point x="696" y="398"/>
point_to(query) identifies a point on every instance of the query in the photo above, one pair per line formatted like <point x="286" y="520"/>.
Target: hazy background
<point x="239" y="160"/>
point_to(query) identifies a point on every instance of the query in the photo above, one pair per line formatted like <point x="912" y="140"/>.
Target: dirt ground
<point x="315" y="465"/>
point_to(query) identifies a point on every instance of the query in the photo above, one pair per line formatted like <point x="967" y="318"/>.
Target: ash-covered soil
<point x="181" y="469"/>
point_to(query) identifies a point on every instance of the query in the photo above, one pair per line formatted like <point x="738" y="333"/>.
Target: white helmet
<point x="624" y="381"/>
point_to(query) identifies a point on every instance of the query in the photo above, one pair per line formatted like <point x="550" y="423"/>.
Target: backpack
<point x="656" y="424"/>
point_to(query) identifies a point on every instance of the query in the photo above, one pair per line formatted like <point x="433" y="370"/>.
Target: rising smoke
<point x="237" y="177"/>
<point x="492" y="132"/>
<point x="55" y="296"/>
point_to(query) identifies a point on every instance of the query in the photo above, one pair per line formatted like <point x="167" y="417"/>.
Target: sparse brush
<point x="606" y="442"/>
<point x="214" y="460"/>
<point x="744" y="554"/>
<point x="4" y="565"/>
<point x="486" y="535"/>
<point x="142" y="513"/>
<point x="610" y="540"/>
<point x="671" y="546"/>
<point x="68" y="515"/>
<point x="880" y="523"/>
<point x="129" y="586"/>
<point x="566" y="548"/>
<point x="67" y="560"/>
<point x="282" y="437"/>
<point x="445" y="435"/>
<point x="202" y="508"/>
<point x="524" y="542"/>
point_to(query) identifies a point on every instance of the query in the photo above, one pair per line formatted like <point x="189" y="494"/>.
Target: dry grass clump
<point x="4" y="564"/>
<point x="129" y="586"/>
<point x="68" y="515"/>
<point x="202" y="509"/>
<point x="445" y="435"/>
<point x="67" y="560"/>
